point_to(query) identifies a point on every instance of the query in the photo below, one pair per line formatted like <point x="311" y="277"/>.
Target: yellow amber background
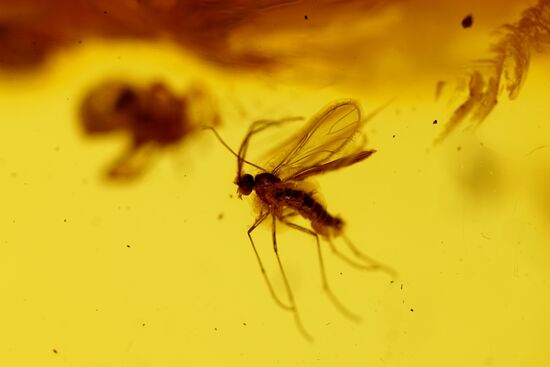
<point x="464" y="224"/>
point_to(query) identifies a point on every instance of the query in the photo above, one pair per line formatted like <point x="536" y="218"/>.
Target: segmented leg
<point x="258" y="221"/>
<point x="371" y="263"/>
<point x="287" y="284"/>
<point x="324" y="281"/>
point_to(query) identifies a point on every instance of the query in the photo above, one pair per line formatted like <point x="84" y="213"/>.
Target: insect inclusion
<point x="323" y="145"/>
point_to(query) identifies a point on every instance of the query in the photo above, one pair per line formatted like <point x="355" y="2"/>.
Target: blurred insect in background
<point x="153" y="116"/>
<point x="505" y="70"/>
<point x="323" y="145"/>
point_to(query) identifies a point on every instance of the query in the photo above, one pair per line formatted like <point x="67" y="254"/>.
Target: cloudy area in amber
<point x="158" y="271"/>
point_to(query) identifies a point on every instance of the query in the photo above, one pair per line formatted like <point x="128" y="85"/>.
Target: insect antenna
<point x="256" y="127"/>
<point x="241" y="159"/>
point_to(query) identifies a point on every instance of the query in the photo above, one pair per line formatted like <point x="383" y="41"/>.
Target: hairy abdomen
<point x="301" y="201"/>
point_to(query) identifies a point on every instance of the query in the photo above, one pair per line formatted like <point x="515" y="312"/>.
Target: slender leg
<point x="372" y="264"/>
<point x="288" y="215"/>
<point x="258" y="221"/>
<point x="369" y="265"/>
<point x="324" y="281"/>
<point x="352" y="262"/>
<point x="347" y="259"/>
<point x="287" y="285"/>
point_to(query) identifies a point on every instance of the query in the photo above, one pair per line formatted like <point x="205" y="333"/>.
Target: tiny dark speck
<point x="215" y="329"/>
<point x="467" y="21"/>
<point x="128" y="246"/>
<point x="143" y="324"/>
<point x="305" y="17"/>
<point x="54" y="350"/>
<point x="458" y="149"/>
<point x="65" y="220"/>
<point x="435" y="122"/>
<point x="220" y="216"/>
<point x="412" y="309"/>
<point x="244" y="323"/>
<point x="394" y="136"/>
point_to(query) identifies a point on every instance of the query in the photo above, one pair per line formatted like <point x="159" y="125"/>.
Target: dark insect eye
<point x="246" y="184"/>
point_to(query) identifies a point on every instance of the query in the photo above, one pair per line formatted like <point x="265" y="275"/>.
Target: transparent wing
<point x="321" y="141"/>
<point x="348" y="160"/>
